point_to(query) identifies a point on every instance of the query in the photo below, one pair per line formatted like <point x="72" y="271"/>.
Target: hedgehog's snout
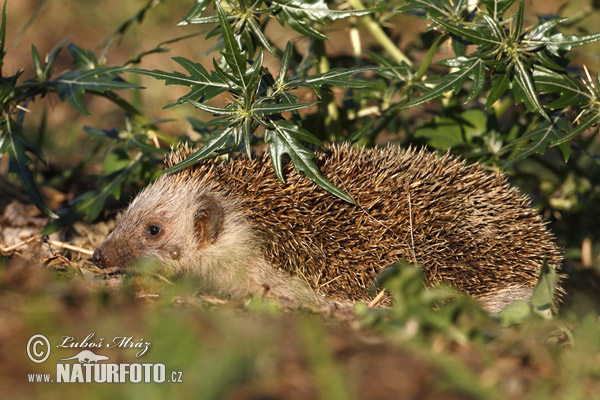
<point x="98" y="258"/>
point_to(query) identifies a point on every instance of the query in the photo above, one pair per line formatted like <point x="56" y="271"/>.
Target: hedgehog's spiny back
<point x="468" y="226"/>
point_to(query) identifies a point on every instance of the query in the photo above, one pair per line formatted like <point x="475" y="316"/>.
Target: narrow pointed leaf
<point x="215" y="143"/>
<point x="538" y="33"/>
<point x="300" y="26"/>
<point x="211" y="109"/>
<point x="477" y="36"/>
<point x="317" y="10"/>
<point x="84" y="59"/>
<point x="92" y="204"/>
<point x="453" y="81"/>
<point x="499" y="87"/>
<point x="73" y="84"/>
<point x="247" y="134"/>
<point x="336" y="77"/>
<point x="38" y="67"/>
<point x="196" y="11"/>
<point x="540" y="138"/>
<point x="542" y="298"/>
<point x="254" y="72"/>
<point x="569" y="91"/>
<point x="559" y="42"/>
<point x="13" y="143"/>
<point x="497" y="8"/>
<point x="200" y="82"/>
<point x="591" y="120"/>
<point x="282" y="142"/>
<point x="477" y="75"/>
<point x="232" y="52"/>
<point x="285" y="64"/>
<point x="7" y="85"/>
<point x="519" y="21"/>
<point x="525" y="82"/>
<point x="496" y="29"/>
<point x="274" y="108"/>
<point x="258" y="34"/>
<point x="298" y="132"/>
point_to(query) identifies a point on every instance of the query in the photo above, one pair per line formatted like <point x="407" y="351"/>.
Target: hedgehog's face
<point x="164" y="226"/>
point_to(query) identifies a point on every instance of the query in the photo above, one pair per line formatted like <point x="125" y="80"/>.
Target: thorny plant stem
<point x="375" y="30"/>
<point x="393" y="110"/>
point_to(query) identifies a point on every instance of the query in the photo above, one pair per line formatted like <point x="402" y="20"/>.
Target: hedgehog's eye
<point x="153" y="230"/>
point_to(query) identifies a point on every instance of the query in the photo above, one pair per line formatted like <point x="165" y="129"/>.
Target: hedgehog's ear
<point x="208" y="220"/>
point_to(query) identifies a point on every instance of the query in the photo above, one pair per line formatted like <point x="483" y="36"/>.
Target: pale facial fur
<point x="190" y="230"/>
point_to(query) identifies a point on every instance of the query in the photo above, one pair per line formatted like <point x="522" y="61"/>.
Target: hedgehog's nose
<point x="98" y="258"/>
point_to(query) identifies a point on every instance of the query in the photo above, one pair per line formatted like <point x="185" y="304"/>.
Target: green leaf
<point x="282" y="141"/>
<point x="7" y="85"/>
<point x="299" y="26"/>
<point x="285" y="64"/>
<point x="232" y="52"/>
<point x="200" y="82"/>
<point x="592" y="119"/>
<point x="192" y="16"/>
<point x="538" y="33"/>
<point x="218" y="141"/>
<point x="357" y="135"/>
<point x="540" y="137"/>
<point x="558" y="42"/>
<point x="213" y="110"/>
<point x="549" y="61"/>
<point x="84" y="59"/>
<point x="73" y="84"/>
<point x="275" y="108"/>
<point x="258" y="34"/>
<point x="15" y="144"/>
<point x="496" y="29"/>
<point x="253" y="73"/>
<point x="247" y="135"/>
<point x="477" y="75"/>
<point x="519" y="24"/>
<point x="390" y="69"/>
<point x="316" y="10"/>
<point x="497" y="8"/>
<point x="211" y="19"/>
<point x="542" y="298"/>
<point x="525" y="83"/>
<point x="38" y="67"/>
<point x="92" y="203"/>
<point x="570" y="91"/>
<point x="515" y="313"/>
<point x="298" y="132"/>
<point x="334" y="77"/>
<point x="453" y="81"/>
<point x="499" y="87"/>
<point x="477" y="36"/>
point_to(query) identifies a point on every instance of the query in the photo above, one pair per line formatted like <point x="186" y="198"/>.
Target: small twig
<point x="162" y="278"/>
<point x="375" y="302"/>
<point x="67" y="246"/>
<point x="16" y="246"/>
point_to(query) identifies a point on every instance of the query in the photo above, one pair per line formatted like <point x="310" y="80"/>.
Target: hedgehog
<point x="239" y="230"/>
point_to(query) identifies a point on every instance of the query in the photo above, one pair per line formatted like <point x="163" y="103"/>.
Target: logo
<point x="85" y="356"/>
<point x="88" y="366"/>
<point x="38" y="348"/>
